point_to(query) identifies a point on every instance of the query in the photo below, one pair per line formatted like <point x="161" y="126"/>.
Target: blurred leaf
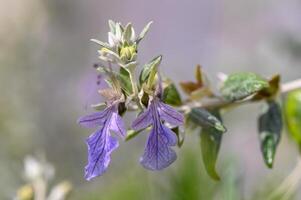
<point x="293" y="115"/>
<point x="205" y="119"/>
<point x="190" y="126"/>
<point x="271" y="91"/>
<point x="144" y="99"/>
<point x="241" y="85"/>
<point x="199" y="93"/>
<point x="124" y="77"/>
<point x="148" y="68"/>
<point x="270" y="127"/>
<point x="143" y="32"/>
<point x="171" y="95"/>
<point x="179" y="137"/>
<point x="131" y="134"/>
<point x="198" y="74"/>
<point x="189" y="86"/>
<point x="210" y="145"/>
<point x="189" y="181"/>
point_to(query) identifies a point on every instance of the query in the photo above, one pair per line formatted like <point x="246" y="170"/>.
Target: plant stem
<point x="218" y="103"/>
<point x="292" y="85"/>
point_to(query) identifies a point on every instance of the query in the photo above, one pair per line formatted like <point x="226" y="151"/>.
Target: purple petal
<point x="158" y="154"/>
<point x="100" y="146"/>
<point x="95" y="119"/>
<point x="117" y="125"/>
<point x="143" y="120"/>
<point x="170" y="115"/>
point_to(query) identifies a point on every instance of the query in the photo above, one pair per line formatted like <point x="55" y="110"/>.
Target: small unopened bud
<point x="127" y="53"/>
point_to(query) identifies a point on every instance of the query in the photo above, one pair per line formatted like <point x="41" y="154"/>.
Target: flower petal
<point x="95" y="119"/>
<point x="100" y="146"/>
<point x="170" y="115"/>
<point x="117" y="125"/>
<point x="143" y="120"/>
<point x="158" y="154"/>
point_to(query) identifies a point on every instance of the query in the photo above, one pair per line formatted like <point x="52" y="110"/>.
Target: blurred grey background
<point x="47" y="81"/>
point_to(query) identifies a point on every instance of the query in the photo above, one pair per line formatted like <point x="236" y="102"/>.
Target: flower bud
<point x="128" y="53"/>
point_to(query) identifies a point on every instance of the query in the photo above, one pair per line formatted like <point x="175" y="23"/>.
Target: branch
<point x="218" y="103"/>
<point x="292" y="85"/>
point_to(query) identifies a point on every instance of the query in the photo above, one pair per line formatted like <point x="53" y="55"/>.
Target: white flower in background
<point x="34" y="169"/>
<point x="38" y="173"/>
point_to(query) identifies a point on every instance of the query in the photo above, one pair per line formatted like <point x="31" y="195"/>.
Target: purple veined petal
<point x="143" y="120"/>
<point x="117" y="125"/>
<point x="158" y="154"/>
<point x="100" y="146"/>
<point x="170" y="115"/>
<point x="96" y="119"/>
<point x="169" y="136"/>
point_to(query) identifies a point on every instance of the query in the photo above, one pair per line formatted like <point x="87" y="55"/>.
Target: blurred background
<point x="47" y="81"/>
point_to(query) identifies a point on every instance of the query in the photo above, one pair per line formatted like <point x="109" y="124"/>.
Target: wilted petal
<point x="94" y="120"/>
<point x="117" y="125"/>
<point x="143" y="120"/>
<point x="158" y="154"/>
<point x="100" y="146"/>
<point x="170" y="115"/>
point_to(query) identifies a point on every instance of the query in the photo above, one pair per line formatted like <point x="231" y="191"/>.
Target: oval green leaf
<point x="270" y="126"/>
<point x="205" y="119"/>
<point x="210" y="145"/>
<point x="171" y="95"/>
<point x="292" y="113"/>
<point x="241" y="85"/>
<point x="148" y="68"/>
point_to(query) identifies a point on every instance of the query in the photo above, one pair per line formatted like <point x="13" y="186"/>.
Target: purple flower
<point x="101" y="143"/>
<point x="158" y="154"/>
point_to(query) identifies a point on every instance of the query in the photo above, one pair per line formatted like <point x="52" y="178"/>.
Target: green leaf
<point x="122" y="108"/>
<point x="148" y="68"/>
<point x="292" y="111"/>
<point x="143" y="32"/>
<point x="124" y="77"/>
<point x="144" y="99"/>
<point x="270" y="126"/>
<point x="210" y="145"/>
<point x="205" y="119"/>
<point x="179" y="137"/>
<point x="171" y="95"/>
<point x="241" y="85"/>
